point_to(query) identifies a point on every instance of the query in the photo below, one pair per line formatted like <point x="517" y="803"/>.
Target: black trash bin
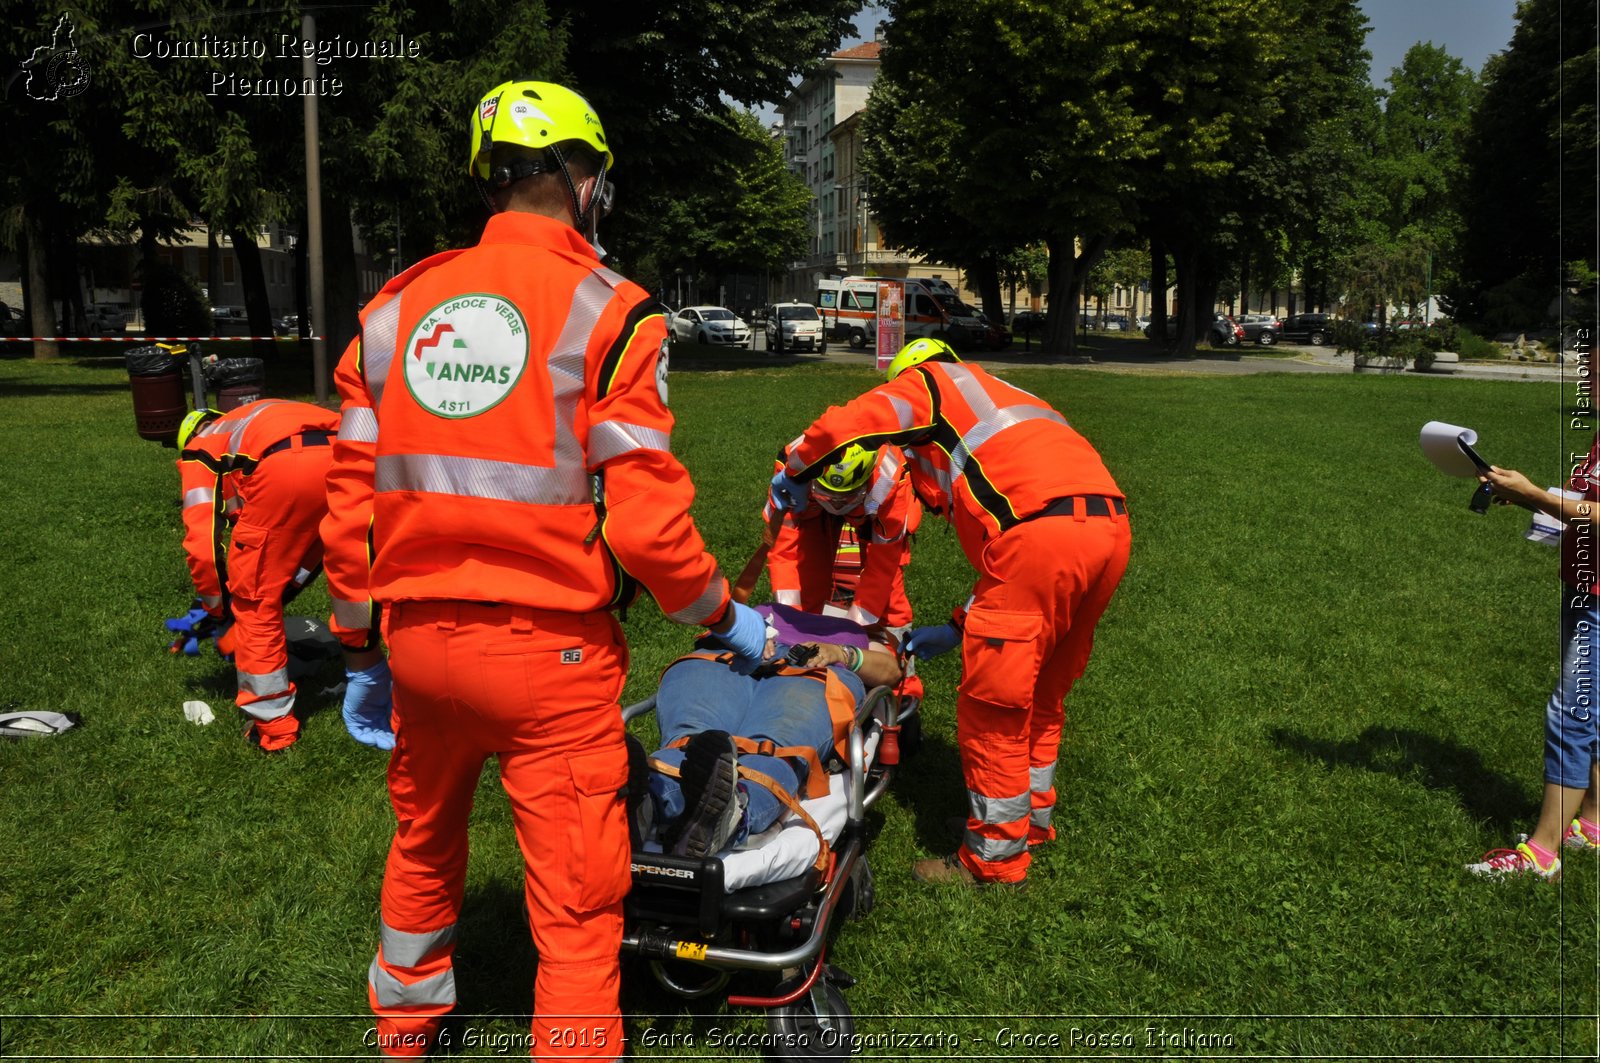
<point x="159" y="403"/>
<point x="236" y="381"/>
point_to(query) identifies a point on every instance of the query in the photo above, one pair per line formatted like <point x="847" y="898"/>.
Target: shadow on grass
<point x="933" y="791"/>
<point x="1437" y="763"/>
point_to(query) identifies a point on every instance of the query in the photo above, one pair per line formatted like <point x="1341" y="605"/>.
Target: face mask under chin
<point x="838" y="505"/>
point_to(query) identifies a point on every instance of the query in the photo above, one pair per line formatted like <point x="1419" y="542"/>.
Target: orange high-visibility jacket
<point x="880" y="521"/>
<point x="984" y="453"/>
<point x="506" y="439"/>
<point x="213" y="466"/>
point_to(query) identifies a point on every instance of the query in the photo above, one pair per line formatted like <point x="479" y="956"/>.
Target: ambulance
<point x="849" y="309"/>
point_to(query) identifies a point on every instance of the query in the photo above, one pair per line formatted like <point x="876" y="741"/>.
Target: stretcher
<point x="765" y="912"/>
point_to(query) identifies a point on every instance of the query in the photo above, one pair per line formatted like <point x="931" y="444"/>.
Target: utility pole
<point x="319" y="295"/>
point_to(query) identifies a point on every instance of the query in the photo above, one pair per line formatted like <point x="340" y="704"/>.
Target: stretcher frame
<point x="885" y="725"/>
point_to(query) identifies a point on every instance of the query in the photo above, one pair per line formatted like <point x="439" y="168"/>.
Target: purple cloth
<point x="796" y="626"/>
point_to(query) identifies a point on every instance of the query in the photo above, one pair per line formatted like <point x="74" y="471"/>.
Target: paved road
<point x="1134" y="356"/>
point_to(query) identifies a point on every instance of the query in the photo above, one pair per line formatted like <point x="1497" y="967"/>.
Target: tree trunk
<point x="302" y="280"/>
<point x="986" y="278"/>
<point x="341" y="282"/>
<point x="1244" y="281"/>
<point x="38" y="297"/>
<point x="1158" y="291"/>
<point x="213" y="273"/>
<point x="254" y="282"/>
<point x="1067" y="275"/>
<point x="1185" y="261"/>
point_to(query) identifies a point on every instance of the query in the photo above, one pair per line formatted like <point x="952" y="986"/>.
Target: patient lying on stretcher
<point x="739" y="745"/>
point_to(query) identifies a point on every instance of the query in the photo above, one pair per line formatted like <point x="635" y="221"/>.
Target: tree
<point x="1527" y="202"/>
<point x="750" y="215"/>
<point x="1417" y="160"/>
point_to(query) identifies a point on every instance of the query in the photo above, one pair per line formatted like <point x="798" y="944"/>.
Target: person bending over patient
<point x="782" y="722"/>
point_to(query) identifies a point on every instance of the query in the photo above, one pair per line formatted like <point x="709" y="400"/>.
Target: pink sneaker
<point x="1497" y="863"/>
<point x="1580" y="839"/>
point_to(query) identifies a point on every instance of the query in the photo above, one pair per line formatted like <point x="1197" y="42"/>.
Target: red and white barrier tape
<point x="143" y="339"/>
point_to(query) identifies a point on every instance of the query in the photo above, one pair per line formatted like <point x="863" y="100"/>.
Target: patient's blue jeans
<point x="1571" y="736"/>
<point x="702" y="695"/>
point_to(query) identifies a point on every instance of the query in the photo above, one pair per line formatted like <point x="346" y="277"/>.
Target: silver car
<point x="714" y="325"/>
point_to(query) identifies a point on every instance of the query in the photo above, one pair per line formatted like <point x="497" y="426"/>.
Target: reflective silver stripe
<point x="612" y="278"/>
<point x="1040" y="817"/>
<point x="199" y="496"/>
<point x="991" y="419"/>
<point x="236" y="442"/>
<point x="211" y="601"/>
<point x="610" y="438"/>
<point x="903" y="412"/>
<point x="300" y="576"/>
<point x="700" y="610"/>
<point x="566" y="366"/>
<point x="390" y="992"/>
<point x="794" y="464"/>
<point x="379" y="334"/>
<point x="270" y="708"/>
<point x="888" y="471"/>
<point x="360" y="425"/>
<point x="504" y="481"/>
<point x="264" y="682"/>
<point x="995" y="848"/>
<point x="994" y="810"/>
<point x="787" y="598"/>
<point x="402" y="949"/>
<point x="353" y="616"/>
<point x="232" y="504"/>
<point x="1041" y="779"/>
<point x="992" y="426"/>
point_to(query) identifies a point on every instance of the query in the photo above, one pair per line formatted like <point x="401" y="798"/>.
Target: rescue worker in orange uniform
<point x="260" y="468"/>
<point x="870" y="491"/>
<point x="505" y="464"/>
<point x="1045" y="526"/>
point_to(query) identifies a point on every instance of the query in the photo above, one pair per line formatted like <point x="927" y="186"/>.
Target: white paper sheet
<point x="1441" y="443"/>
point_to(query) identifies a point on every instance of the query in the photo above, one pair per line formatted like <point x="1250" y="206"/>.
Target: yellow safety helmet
<point x="918" y="351"/>
<point x="841" y="485"/>
<point x="532" y="114"/>
<point x="192" y="423"/>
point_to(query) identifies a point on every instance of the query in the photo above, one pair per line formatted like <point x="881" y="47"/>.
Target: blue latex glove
<point x="747" y="638"/>
<point x="789" y="495"/>
<point x="196" y="617"/>
<point x="928" y="642"/>
<point x="367" y="701"/>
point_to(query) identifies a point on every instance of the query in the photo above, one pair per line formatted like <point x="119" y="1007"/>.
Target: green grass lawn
<point x="1317" y="694"/>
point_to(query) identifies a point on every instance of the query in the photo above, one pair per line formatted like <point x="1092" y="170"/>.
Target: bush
<point x="1470" y="345"/>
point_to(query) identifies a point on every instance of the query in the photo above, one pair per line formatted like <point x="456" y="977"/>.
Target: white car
<point x="715" y="325"/>
<point x="795" y="326"/>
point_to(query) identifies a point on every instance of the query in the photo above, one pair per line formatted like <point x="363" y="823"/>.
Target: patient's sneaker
<point x="1519" y="861"/>
<point x="1582" y="835"/>
<point x="713" y="806"/>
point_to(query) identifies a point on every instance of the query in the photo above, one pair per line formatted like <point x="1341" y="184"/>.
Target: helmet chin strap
<point x="586" y="218"/>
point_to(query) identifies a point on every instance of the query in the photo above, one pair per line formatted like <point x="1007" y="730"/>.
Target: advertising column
<point x="891" y="315"/>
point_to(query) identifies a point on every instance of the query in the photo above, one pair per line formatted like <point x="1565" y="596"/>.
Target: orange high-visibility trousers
<point x="274" y="550"/>
<point x="538" y="690"/>
<point x="1026" y="641"/>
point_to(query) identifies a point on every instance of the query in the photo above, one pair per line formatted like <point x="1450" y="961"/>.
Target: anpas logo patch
<point x="466" y="354"/>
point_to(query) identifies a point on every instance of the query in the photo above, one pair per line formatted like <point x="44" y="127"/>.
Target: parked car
<point x="287" y="325"/>
<point x="715" y="325"/>
<point x="230" y="321"/>
<point x="1027" y="322"/>
<point x="1225" y="332"/>
<point x="1114" y="323"/>
<point x="794" y="326"/>
<point x="11" y="321"/>
<point x="1308" y="328"/>
<point x="104" y="317"/>
<point x="1263" y="329"/>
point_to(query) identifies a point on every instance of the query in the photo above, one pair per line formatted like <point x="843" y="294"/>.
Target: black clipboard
<point x="1472" y="455"/>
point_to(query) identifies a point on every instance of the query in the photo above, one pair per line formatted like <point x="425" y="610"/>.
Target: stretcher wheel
<point x="859" y="892"/>
<point x="799" y="1032"/>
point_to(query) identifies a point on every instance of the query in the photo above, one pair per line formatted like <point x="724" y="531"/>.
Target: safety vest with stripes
<point x="215" y="461"/>
<point x="986" y="454"/>
<point x="506" y="439"/>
